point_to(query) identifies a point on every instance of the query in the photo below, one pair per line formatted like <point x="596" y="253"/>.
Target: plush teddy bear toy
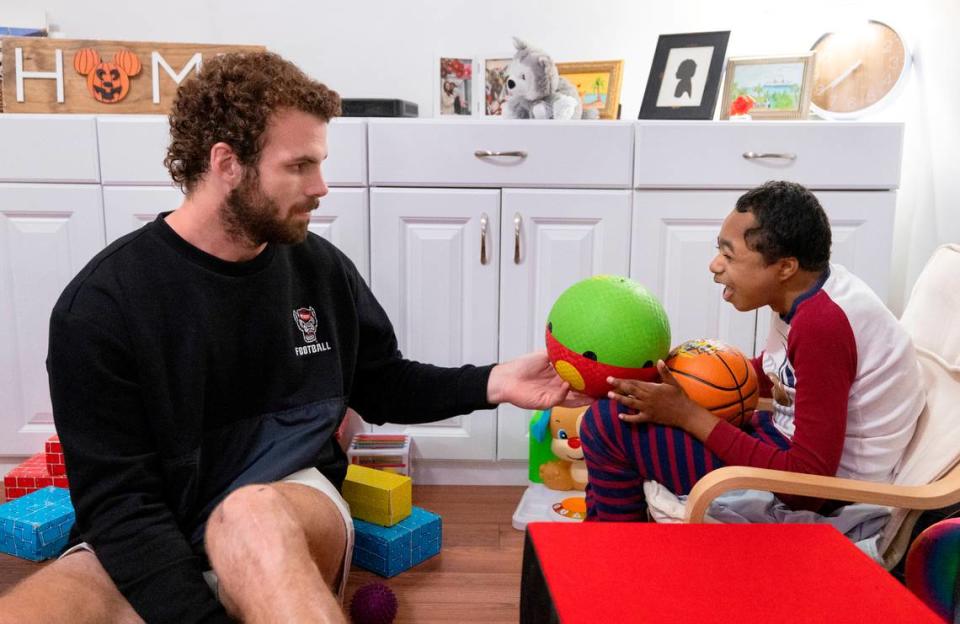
<point x="535" y="90"/>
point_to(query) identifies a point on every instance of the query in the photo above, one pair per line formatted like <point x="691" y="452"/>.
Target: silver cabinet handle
<point x="757" y="155"/>
<point x="483" y="238"/>
<point x="489" y="154"/>
<point x="517" y="222"/>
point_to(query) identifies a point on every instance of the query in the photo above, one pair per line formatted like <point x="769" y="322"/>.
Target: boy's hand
<point x="661" y="403"/>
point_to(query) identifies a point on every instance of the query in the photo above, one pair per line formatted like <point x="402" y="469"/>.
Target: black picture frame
<point x="653" y="106"/>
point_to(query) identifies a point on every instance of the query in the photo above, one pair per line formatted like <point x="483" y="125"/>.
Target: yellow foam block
<point x="376" y="496"/>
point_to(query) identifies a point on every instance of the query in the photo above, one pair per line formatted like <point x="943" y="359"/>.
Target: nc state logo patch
<point x="306" y="321"/>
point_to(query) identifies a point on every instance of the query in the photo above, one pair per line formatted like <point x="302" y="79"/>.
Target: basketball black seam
<point x="734" y="377"/>
<point x="734" y="402"/>
<point x="701" y="380"/>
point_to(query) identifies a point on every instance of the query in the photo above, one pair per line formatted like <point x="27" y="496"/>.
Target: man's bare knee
<point x="253" y="521"/>
<point x="266" y="525"/>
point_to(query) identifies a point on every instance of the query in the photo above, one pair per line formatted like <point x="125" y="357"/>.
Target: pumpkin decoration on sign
<point x="107" y="82"/>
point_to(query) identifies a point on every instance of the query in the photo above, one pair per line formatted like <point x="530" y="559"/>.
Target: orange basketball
<point x="717" y="376"/>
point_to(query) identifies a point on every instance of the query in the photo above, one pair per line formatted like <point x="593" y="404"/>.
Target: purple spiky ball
<point x="374" y="603"/>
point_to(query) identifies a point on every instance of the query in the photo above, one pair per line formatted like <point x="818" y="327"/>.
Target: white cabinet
<point x="852" y="168"/>
<point x="467" y="229"/>
<point x="48" y="232"/>
<point x="469" y="275"/>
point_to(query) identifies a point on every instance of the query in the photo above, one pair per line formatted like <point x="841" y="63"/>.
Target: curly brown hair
<point x="232" y="100"/>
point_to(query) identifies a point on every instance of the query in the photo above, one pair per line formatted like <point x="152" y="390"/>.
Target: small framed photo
<point x="770" y="87"/>
<point x="685" y="76"/>
<point x="495" y="85"/>
<point x="598" y="83"/>
<point x="454" y="86"/>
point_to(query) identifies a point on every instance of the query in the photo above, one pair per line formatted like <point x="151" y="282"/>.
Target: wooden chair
<point x="928" y="476"/>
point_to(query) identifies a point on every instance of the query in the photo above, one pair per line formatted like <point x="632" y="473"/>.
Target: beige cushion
<point x="932" y="318"/>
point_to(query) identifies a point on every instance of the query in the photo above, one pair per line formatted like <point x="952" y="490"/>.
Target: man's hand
<point x="662" y="403"/>
<point x="531" y="383"/>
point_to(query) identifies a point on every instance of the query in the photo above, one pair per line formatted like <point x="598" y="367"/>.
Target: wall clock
<point x="859" y="70"/>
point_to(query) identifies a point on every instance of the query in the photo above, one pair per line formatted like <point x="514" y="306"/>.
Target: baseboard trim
<point x="450" y="472"/>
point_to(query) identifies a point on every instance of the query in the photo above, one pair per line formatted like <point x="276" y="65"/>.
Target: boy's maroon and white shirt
<point x="845" y="382"/>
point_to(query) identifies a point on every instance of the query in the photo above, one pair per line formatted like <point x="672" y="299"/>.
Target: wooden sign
<point x="89" y="76"/>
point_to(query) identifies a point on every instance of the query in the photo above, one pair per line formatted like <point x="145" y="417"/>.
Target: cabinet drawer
<point x="48" y="148"/>
<point x="825" y="155"/>
<point x="572" y="154"/>
<point x="132" y="149"/>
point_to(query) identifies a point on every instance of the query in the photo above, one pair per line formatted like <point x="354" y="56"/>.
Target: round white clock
<point x="858" y="71"/>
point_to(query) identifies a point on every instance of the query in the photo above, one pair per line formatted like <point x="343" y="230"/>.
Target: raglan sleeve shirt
<point x="117" y="488"/>
<point x="822" y="348"/>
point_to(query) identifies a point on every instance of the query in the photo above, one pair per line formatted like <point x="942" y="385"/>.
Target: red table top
<point x="616" y="572"/>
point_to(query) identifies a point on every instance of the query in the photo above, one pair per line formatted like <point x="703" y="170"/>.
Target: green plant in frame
<point x="599" y="85"/>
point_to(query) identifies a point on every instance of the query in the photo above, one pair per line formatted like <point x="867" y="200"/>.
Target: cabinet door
<point x="341" y="218"/>
<point x="549" y="240"/>
<point x="47" y="234"/>
<point x="434" y="269"/>
<point x="674" y="240"/>
<point x="128" y="208"/>
<point x="862" y="228"/>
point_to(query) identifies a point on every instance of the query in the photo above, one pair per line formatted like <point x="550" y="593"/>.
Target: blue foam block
<point x="37" y="526"/>
<point x="391" y="550"/>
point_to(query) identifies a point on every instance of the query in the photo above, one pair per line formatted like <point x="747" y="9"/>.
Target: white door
<point x="674" y="240"/>
<point x="549" y="240"/>
<point x="435" y="270"/>
<point x="48" y="232"/>
<point x="862" y="234"/>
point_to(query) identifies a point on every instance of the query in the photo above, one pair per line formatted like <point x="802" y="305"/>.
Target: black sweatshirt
<point x="177" y="377"/>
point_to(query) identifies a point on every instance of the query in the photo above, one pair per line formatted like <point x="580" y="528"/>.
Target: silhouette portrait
<point x="685" y="72"/>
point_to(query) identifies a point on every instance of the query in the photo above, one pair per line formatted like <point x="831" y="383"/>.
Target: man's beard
<point x="249" y="214"/>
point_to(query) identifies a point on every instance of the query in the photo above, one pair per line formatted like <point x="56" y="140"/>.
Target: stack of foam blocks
<point x="391" y="535"/>
<point x="35" y="521"/>
<point x="40" y="471"/>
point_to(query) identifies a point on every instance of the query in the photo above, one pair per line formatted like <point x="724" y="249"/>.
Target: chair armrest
<point x="940" y="493"/>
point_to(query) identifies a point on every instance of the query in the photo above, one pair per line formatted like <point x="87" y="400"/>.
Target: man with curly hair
<point x="200" y="366"/>
<point x="841" y="371"/>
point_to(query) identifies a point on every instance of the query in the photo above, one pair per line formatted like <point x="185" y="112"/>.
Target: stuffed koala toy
<point x="535" y="90"/>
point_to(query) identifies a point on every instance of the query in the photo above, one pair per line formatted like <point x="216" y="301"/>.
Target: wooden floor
<point x="475" y="578"/>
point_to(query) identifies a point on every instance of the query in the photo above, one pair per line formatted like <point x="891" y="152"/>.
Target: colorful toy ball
<point x="718" y="377"/>
<point x="374" y="603"/>
<point x="606" y="326"/>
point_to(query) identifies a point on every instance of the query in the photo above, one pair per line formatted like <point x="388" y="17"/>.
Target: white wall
<point x="388" y="49"/>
